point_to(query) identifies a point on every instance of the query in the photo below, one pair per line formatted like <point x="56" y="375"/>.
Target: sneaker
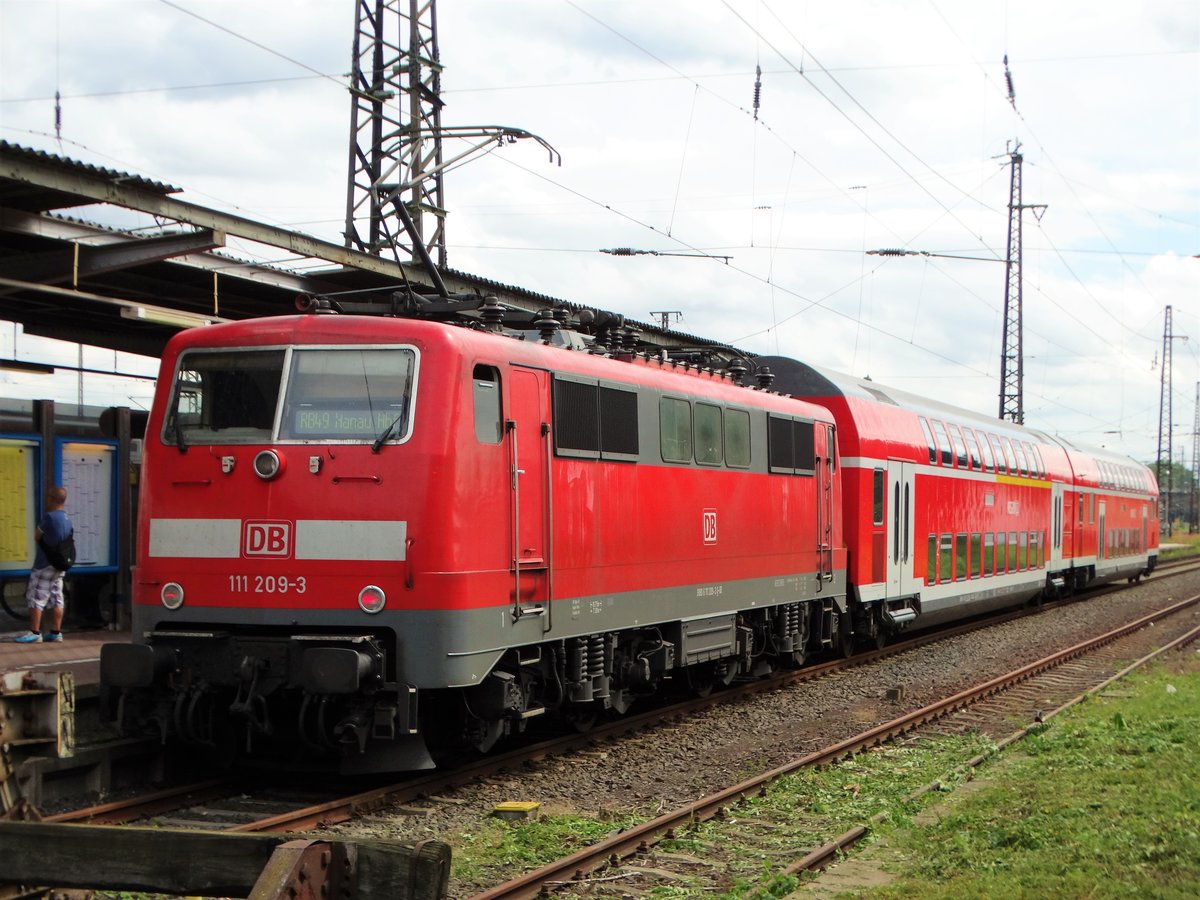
<point x="30" y="638"/>
<point x="54" y="636"/>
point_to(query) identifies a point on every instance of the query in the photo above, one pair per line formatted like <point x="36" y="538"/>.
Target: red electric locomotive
<point x="364" y="538"/>
<point x="949" y="513"/>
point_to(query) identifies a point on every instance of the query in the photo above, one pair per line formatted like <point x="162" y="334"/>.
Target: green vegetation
<point x="508" y="847"/>
<point x="1104" y="802"/>
<point x="1101" y="802"/>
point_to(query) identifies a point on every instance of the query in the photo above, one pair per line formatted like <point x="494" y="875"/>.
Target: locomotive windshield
<point x="242" y="396"/>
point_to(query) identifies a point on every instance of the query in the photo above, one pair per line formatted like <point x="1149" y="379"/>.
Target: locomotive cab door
<point x="899" y="513"/>
<point x="528" y="438"/>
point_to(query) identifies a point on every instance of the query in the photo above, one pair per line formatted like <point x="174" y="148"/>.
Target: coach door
<point x="1056" y="525"/>
<point x="528" y="430"/>
<point x="898" y="513"/>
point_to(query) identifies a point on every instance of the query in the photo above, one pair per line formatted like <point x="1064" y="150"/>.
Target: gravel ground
<point x="681" y="761"/>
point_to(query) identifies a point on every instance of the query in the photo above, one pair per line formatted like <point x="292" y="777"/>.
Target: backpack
<point x="61" y="555"/>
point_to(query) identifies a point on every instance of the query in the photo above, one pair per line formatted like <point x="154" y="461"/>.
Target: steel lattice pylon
<point x="1012" y="356"/>
<point x="395" y="128"/>
<point x="396" y="200"/>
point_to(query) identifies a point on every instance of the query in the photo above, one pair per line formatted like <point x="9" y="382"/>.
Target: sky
<point x="880" y="125"/>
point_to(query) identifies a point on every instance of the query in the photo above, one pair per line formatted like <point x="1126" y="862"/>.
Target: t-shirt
<point x="55" y="527"/>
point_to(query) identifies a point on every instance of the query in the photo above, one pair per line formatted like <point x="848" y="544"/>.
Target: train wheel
<point x="702" y="679"/>
<point x="482" y="734"/>
<point x="582" y="720"/>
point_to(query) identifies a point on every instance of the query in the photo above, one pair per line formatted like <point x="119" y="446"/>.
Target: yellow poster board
<point x="18" y="503"/>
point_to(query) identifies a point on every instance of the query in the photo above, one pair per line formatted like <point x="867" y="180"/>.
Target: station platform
<point x="78" y="651"/>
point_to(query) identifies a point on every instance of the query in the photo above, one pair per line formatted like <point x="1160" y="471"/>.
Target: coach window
<point x="1040" y="462"/>
<point x="737" y="438"/>
<point x="943" y="441"/>
<point x="1022" y="551"/>
<point x="1012" y="550"/>
<point x="931" y="560"/>
<point x="486" y="386"/>
<point x="960" y="447"/>
<point x="989" y="554"/>
<point x="928" y="439"/>
<point x="1009" y="456"/>
<point x="877" y="498"/>
<point x="973" y="448"/>
<point x="960" y="558"/>
<point x="675" y="429"/>
<point x="988" y="462"/>
<point x="976" y="553"/>
<point x="998" y="449"/>
<point x="1034" y="468"/>
<point x="1022" y="464"/>
<point x="1001" y="552"/>
<point x="946" y="558"/>
<point x="708" y="434"/>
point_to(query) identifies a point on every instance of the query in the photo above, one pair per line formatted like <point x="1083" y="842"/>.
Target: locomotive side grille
<point x="576" y="416"/>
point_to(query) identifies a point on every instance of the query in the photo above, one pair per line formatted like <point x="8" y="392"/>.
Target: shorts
<point x="45" y="588"/>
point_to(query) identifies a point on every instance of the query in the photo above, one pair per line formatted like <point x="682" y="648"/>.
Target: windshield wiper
<point x="387" y="432"/>
<point x="179" y="441"/>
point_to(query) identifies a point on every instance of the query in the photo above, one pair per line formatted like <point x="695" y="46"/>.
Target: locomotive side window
<point x="675" y="429"/>
<point x="708" y="434"/>
<point x="489" y="426"/>
<point x="349" y="394"/>
<point x="737" y="438"/>
<point x="227" y="396"/>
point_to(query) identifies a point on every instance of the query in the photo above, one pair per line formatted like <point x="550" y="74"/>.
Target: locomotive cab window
<point x="349" y="393"/>
<point x="227" y="397"/>
<point x="485" y="387"/>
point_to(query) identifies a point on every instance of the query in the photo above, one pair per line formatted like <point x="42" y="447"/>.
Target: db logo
<point x="710" y="526"/>
<point x="267" y="539"/>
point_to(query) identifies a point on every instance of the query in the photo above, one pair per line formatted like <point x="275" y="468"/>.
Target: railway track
<point x="234" y="804"/>
<point x="1037" y="691"/>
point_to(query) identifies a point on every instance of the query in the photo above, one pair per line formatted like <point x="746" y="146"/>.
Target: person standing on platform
<point x="55" y="549"/>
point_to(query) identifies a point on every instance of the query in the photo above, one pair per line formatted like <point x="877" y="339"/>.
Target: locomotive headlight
<point x="372" y="599"/>
<point x="267" y="464"/>
<point x="172" y="595"/>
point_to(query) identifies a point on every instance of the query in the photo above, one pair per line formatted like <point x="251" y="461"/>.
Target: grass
<point x="1190" y="542"/>
<point x="1104" y="802"/>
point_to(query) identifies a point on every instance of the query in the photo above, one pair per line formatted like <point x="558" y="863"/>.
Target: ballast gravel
<point x="683" y="760"/>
